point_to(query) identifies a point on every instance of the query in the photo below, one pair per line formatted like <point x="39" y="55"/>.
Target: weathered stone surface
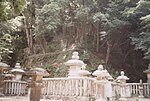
<point x="63" y="99"/>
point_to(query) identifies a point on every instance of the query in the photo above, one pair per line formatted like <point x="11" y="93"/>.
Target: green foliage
<point x="141" y="38"/>
<point x="82" y="12"/>
<point x="5" y="44"/>
<point x="145" y="22"/>
<point x="6" y="31"/>
<point x="11" y="8"/>
<point x="48" y="17"/>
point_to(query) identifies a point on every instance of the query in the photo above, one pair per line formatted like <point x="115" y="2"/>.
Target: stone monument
<point x="123" y="89"/>
<point x="17" y="71"/>
<point x="74" y="65"/>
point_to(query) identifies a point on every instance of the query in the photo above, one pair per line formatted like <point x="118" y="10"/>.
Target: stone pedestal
<point x="35" y="93"/>
<point x="36" y="83"/>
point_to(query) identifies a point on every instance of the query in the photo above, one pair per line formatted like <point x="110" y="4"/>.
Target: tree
<point x="140" y="38"/>
<point x="100" y="27"/>
<point x="10" y="23"/>
<point x="11" y="8"/>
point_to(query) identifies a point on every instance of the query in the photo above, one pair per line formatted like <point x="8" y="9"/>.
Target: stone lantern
<point x="3" y="66"/>
<point x="122" y="78"/>
<point x="83" y="72"/>
<point x="74" y="65"/>
<point x="124" y="92"/>
<point x="17" y="71"/>
<point x="36" y="82"/>
<point x="99" y="73"/>
<point x="104" y="89"/>
<point x="148" y="74"/>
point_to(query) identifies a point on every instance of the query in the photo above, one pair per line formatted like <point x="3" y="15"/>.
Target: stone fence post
<point x="36" y="83"/>
<point x="141" y="89"/>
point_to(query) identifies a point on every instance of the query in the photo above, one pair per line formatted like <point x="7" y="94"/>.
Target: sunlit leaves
<point x="5" y="43"/>
<point x="11" y="8"/>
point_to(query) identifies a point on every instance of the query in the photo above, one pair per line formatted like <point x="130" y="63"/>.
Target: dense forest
<point x="44" y="33"/>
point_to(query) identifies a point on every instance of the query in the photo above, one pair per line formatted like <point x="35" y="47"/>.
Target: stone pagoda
<point x="17" y="71"/>
<point x="75" y="65"/>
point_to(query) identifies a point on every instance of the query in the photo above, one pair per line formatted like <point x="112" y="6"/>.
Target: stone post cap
<point x="75" y="56"/>
<point x="83" y="66"/>
<point x="141" y="81"/>
<point x="17" y="65"/>
<point x="17" y="69"/>
<point x="122" y="77"/>
<point x="100" y="67"/>
<point x="84" y="72"/>
<point x="99" y="71"/>
<point x="122" y="73"/>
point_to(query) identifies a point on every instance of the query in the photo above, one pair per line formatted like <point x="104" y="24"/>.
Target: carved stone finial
<point x="84" y="67"/>
<point x="75" y="56"/>
<point x="100" y="67"/>
<point x="141" y="81"/>
<point x="17" y="65"/>
<point x="122" y="73"/>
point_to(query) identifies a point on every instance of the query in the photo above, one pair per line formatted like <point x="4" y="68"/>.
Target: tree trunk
<point x="43" y="43"/>
<point x="29" y="34"/>
<point x="97" y="38"/>
<point x="108" y="53"/>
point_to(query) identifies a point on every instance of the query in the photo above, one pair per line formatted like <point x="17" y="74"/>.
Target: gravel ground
<point x="27" y="99"/>
<point x="21" y="99"/>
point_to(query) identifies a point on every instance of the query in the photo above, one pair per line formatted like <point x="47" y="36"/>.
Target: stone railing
<point x="68" y="86"/>
<point x="12" y="87"/>
<point x="77" y="87"/>
<point x="88" y="88"/>
<point x="132" y="89"/>
<point x="135" y="88"/>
